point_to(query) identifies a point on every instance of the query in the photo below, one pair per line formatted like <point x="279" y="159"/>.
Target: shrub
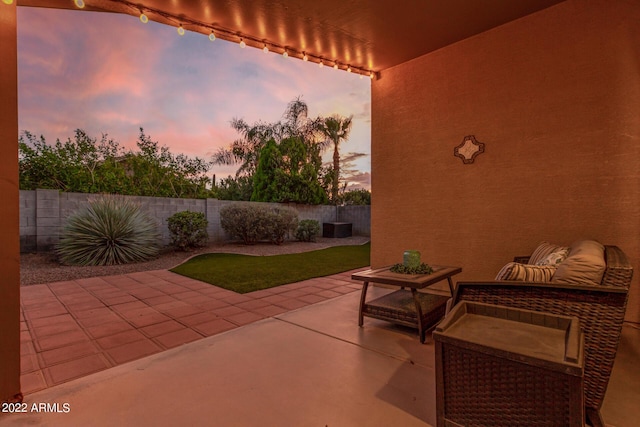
<point x="254" y="223"/>
<point x="188" y="230"/>
<point x="307" y="230"/>
<point x="109" y="231"/>
<point x="281" y="222"/>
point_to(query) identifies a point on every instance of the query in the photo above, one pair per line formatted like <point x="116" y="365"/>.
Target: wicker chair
<point x="601" y="311"/>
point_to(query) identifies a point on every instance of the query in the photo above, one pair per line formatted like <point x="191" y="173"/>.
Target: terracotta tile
<point x="274" y="299"/>
<point x="312" y="299"/>
<point x="45" y="312"/>
<point x="195" y="319"/>
<point x="92" y="313"/>
<point x="109" y="328"/>
<point x="28" y="363"/>
<point x="182" y="311"/>
<point x="168" y="305"/>
<point x="244" y="318"/>
<point x="294" y="294"/>
<point x="27" y="347"/>
<point x="329" y="294"/>
<point x="87" y="305"/>
<point x="32" y="382"/>
<point x="344" y="289"/>
<point x="76" y="368"/>
<point x="214" y="327"/>
<point x="188" y="294"/>
<point x="292" y="304"/>
<point x="211" y="304"/>
<point x="41" y="304"/>
<point x="77" y="297"/>
<point x="56" y="328"/>
<point x="162" y="299"/>
<point x="194" y="285"/>
<point x="133" y="351"/>
<point x="147" y="293"/>
<point x="116" y="300"/>
<point x="161" y="328"/>
<point x="228" y="311"/>
<point x="64" y="354"/>
<point x="236" y="299"/>
<point x="25" y="336"/>
<point x="138" y="312"/>
<point x="172" y="289"/>
<point x="89" y="322"/>
<point x="120" y="339"/>
<point x="148" y="319"/>
<point x="135" y="305"/>
<point x="176" y="338"/>
<point x="196" y="299"/>
<point x="252" y="304"/>
<point x="270" y="310"/>
<point x="60" y="340"/>
<point x="23" y="325"/>
<point x="261" y="293"/>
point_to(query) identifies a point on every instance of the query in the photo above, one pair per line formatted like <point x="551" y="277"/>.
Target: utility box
<point x="336" y="229"/>
<point x="502" y="366"/>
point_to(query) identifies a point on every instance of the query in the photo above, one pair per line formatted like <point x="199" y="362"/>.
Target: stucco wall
<point x="555" y="96"/>
<point x="43" y="212"/>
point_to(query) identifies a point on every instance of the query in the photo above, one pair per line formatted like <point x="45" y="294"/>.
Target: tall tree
<point x="336" y="129"/>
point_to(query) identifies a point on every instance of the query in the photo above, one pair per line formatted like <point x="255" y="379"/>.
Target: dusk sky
<point x="109" y="73"/>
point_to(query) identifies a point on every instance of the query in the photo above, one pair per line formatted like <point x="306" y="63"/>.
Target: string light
<point x="7" y="1"/>
<point x="217" y="32"/>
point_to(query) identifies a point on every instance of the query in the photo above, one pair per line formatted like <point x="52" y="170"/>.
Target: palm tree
<point x="336" y="129"/>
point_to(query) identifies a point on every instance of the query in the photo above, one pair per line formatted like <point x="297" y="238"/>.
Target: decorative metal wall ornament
<point x="469" y="149"/>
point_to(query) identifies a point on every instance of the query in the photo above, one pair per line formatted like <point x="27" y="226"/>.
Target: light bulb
<point x="360" y="76"/>
<point x="265" y="49"/>
<point x="371" y="75"/>
<point x="320" y="64"/>
<point x="285" y="54"/>
<point x="335" y="66"/>
<point x="305" y="57"/>
<point x="144" y="18"/>
<point x="212" y="36"/>
<point x="181" y="30"/>
<point x="79" y="3"/>
<point x="349" y="69"/>
<point x="242" y="43"/>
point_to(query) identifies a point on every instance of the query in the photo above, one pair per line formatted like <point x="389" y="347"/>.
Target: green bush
<point x="307" y="230"/>
<point x="109" y="231"/>
<point x="188" y="230"/>
<point x="252" y="223"/>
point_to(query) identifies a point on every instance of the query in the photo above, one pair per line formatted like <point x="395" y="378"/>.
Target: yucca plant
<point x="109" y="231"/>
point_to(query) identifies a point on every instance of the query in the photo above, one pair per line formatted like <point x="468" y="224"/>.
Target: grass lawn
<point x="247" y="273"/>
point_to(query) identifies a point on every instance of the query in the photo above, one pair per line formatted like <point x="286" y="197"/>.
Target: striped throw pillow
<point x="543" y="250"/>
<point x="526" y="272"/>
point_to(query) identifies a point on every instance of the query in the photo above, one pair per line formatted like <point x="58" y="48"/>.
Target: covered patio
<point x="552" y="90"/>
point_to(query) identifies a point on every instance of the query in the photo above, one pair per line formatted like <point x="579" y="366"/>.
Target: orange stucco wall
<point x="9" y="225"/>
<point x="555" y="96"/>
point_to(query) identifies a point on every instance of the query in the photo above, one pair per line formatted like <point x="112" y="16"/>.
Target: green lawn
<point x="246" y="273"/>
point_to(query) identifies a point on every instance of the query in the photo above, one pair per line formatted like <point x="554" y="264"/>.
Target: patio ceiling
<point x="365" y="34"/>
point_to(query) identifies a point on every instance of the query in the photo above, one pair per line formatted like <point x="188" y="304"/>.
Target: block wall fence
<point x="43" y="212"/>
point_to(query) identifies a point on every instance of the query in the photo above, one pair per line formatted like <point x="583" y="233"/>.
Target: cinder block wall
<point x="43" y="212"/>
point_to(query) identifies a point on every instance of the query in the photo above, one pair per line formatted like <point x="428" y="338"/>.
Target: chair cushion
<point x="584" y="265"/>
<point x="526" y="272"/>
<point x="554" y="258"/>
<point x="543" y="250"/>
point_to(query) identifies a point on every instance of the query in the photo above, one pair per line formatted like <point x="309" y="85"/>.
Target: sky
<point x="111" y="74"/>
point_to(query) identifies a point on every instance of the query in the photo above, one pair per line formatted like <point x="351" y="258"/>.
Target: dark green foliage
<point x="288" y="172"/>
<point x="108" y="231"/>
<point x="307" y="230"/>
<point x="355" y="197"/>
<point x="239" y="188"/>
<point x="86" y="165"/>
<point x="244" y="273"/>
<point x="252" y="223"/>
<point x="188" y="230"/>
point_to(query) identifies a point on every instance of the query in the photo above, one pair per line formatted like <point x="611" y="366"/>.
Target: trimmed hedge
<point x="252" y="223"/>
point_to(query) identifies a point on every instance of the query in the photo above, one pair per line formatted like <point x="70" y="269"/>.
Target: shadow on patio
<point x="310" y="366"/>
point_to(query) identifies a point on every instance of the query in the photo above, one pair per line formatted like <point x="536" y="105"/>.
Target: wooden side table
<point x="406" y="307"/>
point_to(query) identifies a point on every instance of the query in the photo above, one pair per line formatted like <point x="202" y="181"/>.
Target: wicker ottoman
<point x="500" y="366"/>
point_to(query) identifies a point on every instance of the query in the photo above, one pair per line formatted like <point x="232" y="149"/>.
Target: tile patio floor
<point x="75" y="328"/>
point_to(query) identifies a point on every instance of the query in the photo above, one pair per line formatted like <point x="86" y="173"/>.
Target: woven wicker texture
<point x="601" y="311"/>
<point x="400" y="307"/>
<point x="484" y="390"/>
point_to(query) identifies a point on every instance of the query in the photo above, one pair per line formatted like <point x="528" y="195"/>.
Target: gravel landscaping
<point x="44" y="268"/>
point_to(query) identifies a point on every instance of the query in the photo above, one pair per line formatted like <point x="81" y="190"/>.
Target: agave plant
<point x="110" y="230"/>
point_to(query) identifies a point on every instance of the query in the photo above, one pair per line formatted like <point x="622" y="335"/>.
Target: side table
<point x="406" y="307"/>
